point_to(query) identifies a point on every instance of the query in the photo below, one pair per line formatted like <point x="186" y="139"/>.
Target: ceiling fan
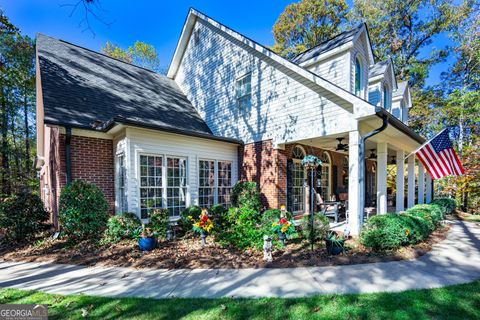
<point x="341" y="146"/>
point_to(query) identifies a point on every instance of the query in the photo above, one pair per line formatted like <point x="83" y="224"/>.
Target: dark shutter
<point x="335" y="181"/>
<point x="289" y="185"/>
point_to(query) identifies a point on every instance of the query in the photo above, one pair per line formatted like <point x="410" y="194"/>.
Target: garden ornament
<point x="267" y="249"/>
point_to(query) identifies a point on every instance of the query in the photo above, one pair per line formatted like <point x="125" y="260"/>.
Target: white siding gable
<point x="284" y="106"/>
<point x="334" y="69"/>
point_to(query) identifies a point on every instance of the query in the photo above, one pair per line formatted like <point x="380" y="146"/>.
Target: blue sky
<point x="156" y="22"/>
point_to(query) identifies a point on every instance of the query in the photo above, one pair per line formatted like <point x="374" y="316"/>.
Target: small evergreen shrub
<point x="22" y="215"/>
<point x="83" y="210"/>
<point x="447" y="204"/>
<point x="121" y="227"/>
<point x="159" y="222"/>
<point x="245" y="195"/>
<point x="321" y="225"/>
<point x="244" y="230"/>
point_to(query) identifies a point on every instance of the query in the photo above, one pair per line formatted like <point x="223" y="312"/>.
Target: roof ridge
<point x="328" y="40"/>
<point x="101" y="54"/>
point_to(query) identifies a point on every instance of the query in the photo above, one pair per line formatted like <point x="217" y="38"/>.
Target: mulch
<point x="187" y="253"/>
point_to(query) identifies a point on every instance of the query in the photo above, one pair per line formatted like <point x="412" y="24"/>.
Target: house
<point x="229" y="109"/>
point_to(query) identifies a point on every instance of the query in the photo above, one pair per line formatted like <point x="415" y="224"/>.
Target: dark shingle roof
<point x="378" y="68"/>
<point x="81" y="87"/>
<point x="325" y="46"/>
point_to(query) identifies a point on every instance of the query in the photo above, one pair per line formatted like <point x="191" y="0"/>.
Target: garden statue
<point x="283" y="211"/>
<point x="267" y="249"/>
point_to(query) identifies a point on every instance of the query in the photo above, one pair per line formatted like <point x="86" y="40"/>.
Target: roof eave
<point x="396" y="123"/>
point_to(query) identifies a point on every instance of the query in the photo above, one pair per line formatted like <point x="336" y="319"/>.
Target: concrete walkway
<point x="454" y="260"/>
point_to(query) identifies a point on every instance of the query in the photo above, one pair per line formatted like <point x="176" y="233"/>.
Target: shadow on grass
<point x="455" y="302"/>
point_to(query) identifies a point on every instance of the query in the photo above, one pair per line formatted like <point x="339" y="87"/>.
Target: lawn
<point x="455" y="302"/>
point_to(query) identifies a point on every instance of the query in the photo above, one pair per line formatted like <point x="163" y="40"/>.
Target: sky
<point x="156" y="22"/>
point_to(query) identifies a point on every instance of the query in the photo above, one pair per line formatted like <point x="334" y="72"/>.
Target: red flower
<point x="204" y="218"/>
<point x="283" y="221"/>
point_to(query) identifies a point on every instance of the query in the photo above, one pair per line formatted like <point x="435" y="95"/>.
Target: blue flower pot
<point x="147" y="244"/>
<point x="334" y="247"/>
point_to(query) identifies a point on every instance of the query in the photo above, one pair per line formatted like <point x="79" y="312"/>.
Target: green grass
<point x="455" y="302"/>
<point x="471" y="217"/>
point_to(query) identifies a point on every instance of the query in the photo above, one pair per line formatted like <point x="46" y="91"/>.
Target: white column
<point x="381" y="178"/>
<point x="428" y="185"/>
<point x="421" y="183"/>
<point x="411" y="181"/>
<point x="356" y="183"/>
<point x="400" y="181"/>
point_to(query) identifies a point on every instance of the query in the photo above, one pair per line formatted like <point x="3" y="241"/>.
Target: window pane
<point x="224" y="182"/>
<point x="206" y="187"/>
<point x="176" y="185"/>
<point x="150" y="184"/>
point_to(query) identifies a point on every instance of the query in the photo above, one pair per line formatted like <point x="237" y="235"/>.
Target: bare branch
<point x="90" y="8"/>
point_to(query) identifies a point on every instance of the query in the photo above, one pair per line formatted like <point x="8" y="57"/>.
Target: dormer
<point x="381" y="84"/>
<point x="401" y="101"/>
<point x="343" y="60"/>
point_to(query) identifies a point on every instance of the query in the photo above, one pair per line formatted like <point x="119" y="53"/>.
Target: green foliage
<point x="245" y="195"/>
<point x="447" y="204"/>
<point x="22" y="216"/>
<point x="321" y="226"/>
<point x="390" y="231"/>
<point x="243" y="231"/>
<point x="120" y="227"/>
<point x="187" y="216"/>
<point x="307" y="23"/>
<point x="141" y="54"/>
<point x="219" y="216"/>
<point x="159" y="222"/>
<point x="83" y="210"/>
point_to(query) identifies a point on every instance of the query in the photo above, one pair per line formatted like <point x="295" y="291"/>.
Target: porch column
<point x="421" y="183"/>
<point x="356" y="183"/>
<point x="381" y="178"/>
<point x="428" y="185"/>
<point x="400" y="181"/>
<point x="411" y="181"/>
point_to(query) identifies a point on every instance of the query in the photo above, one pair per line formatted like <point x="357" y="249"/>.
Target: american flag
<point x="438" y="156"/>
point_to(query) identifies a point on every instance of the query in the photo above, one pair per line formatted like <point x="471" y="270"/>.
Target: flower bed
<point x="391" y="231"/>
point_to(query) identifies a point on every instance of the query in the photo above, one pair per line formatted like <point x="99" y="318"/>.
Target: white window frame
<point x="329" y="165"/>
<point x="216" y="178"/>
<point x="362" y="81"/>
<point x="240" y="96"/>
<point x="121" y="192"/>
<point x="297" y="161"/>
<point x="386" y="95"/>
<point x="164" y="187"/>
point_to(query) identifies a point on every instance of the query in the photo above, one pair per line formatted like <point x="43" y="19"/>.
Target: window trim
<point x="216" y="186"/>
<point x="387" y="104"/>
<point x="249" y="94"/>
<point x="360" y="78"/>
<point x="329" y="165"/>
<point x="164" y="178"/>
<point x="121" y="207"/>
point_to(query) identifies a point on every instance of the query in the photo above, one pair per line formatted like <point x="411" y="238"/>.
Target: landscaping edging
<point x="452" y="261"/>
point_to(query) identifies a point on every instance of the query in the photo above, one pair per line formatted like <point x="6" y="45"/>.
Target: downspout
<point x="68" y="156"/>
<point x="362" y="170"/>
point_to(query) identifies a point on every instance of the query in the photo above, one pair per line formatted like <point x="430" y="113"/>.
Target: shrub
<point x="384" y="232"/>
<point x="447" y="204"/>
<point x="244" y="230"/>
<point x="121" y="227"/>
<point x="219" y="216"/>
<point x="321" y="226"/>
<point x="245" y="195"/>
<point x="185" y="222"/>
<point x="22" y="215"/>
<point x="83" y="210"/>
<point x="159" y="222"/>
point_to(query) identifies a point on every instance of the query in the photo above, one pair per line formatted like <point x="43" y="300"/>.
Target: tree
<point x="140" y="54"/>
<point x="307" y="23"/>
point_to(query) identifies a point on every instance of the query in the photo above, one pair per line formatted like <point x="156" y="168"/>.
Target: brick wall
<point x="92" y="161"/>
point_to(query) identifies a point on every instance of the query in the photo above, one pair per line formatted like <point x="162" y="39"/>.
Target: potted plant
<point x="203" y="226"/>
<point x="284" y="228"/>
<point x="335" y="243"/>
<point x="147" y="240"/>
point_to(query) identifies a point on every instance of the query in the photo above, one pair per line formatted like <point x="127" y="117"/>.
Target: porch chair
<point x="328" y="209"/>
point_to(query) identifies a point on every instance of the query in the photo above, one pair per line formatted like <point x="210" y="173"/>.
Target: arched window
<point x="358" y="77"/>
<point x="326" y="178"/>
<point x="386" y="98"/>
<point x="297" y="179"/>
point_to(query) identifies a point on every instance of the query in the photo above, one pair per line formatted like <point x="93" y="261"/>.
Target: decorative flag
<point x="438" y="156"/>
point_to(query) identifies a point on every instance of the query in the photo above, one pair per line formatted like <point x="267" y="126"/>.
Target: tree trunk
<point x="27" y="133"/>
<point x="4" y="145"/>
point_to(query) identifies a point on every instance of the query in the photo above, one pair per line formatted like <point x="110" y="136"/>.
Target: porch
<point x="362" y="183"/>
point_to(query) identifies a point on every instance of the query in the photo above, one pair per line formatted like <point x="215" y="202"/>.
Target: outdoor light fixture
<point x="311" y="163"/>
<point x="394" y="160"/>
<point x="372" y="154"/>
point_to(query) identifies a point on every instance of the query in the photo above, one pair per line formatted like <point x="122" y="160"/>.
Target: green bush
<point x="244" y="230"/>
<point x="22" y="215"/>
<point x="185" y="222"/>
<point x="121" y="226"/>
<point x="391" y="231"/>
<point x="245" y="195"/>
<point x="448" y="204"/>
<point x="159" y="222"/>
<point x="384" y="232"/>
<point x="219" y="216"/>
<point x="83" y="210"/>
<point x="321" y="225"/>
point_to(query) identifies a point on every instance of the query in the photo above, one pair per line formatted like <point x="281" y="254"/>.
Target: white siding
<point x="375" y="93"/>
<point x="334" y="69"/>
<point x="151" y="142"/>
<point x="360" y="51"/>
<point x="285" y="107"/>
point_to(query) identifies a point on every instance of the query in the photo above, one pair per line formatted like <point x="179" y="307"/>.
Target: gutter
<point x="68" y="158"/>
<point x="397" y="124"/>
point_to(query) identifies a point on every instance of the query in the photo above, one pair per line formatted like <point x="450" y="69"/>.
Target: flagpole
<point x="423" y="144"/>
